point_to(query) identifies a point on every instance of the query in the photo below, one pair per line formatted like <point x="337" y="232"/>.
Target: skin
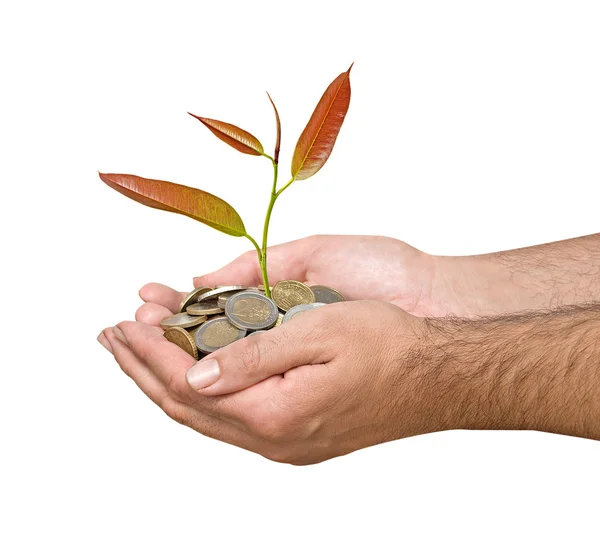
<point x="350" y="375"/>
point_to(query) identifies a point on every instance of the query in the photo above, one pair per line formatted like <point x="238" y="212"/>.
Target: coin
<point x="222" y="299"/>
<point x="181" y="338"/>
<point x="298" y="309"/>
<point x="182" y="320"/>
<point x="279" y="319"/>
<point x="255" y="289"/>
<point x="215" y="334"/>
<point x="257" y="332"/>
<point x="251" y="311"/>
<point x="204" y="308"/>
<point x="289" y="293"/>
<point x="212" y="294"/>
<point x="325" y="294"/>
<point x="192" y="297"/>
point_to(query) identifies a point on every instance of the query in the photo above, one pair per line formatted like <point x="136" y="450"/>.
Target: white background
<point x="473" y="127"/>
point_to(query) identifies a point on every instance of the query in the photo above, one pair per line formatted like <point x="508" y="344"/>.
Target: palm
<point x="361" y="267"/>
<point x="370" y="267"/>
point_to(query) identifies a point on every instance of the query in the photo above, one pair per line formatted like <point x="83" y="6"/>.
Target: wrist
<point x="483" y="285"/>
<point x="471" y="286"/>
<point x="532" y="278"/>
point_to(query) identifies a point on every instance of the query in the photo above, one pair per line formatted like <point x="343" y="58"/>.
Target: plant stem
<point x="254" y="242"/>
<point x="263" y="259"/>
<point x="285" y="187"/>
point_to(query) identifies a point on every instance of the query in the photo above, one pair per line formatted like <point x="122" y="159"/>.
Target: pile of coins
<point x="211" y="318"/>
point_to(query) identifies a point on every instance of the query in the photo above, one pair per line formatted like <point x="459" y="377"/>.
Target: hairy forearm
<point x="537" y="371"/>
<point x="540" y="277"/>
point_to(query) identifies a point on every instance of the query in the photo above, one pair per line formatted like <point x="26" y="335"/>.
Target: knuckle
<point x="251" y="358"/>
<point x="273" y="426"/>
<point x="177" y="386"/>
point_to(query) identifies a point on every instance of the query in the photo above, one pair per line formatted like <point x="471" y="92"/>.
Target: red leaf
<point x="318" y="138"/>
<point x="232" y="135"/>
<point x="181" y="199"/>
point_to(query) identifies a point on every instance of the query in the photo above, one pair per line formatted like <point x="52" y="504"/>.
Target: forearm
<point x="540" y="277"/>
<point x="537" y="371"/>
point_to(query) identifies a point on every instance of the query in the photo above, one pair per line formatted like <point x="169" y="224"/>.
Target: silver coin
<point x="182" y="320"/>
<point x="257" y="332"/>
<point x="215" y="334"/>
<point x="192" y="297"/>
<point x="204" y="308"/>
<point x="251" y="311"/>
<point x="298" y="309"/>
<point x="325" y="294"/>
<point x="213" y="294"/>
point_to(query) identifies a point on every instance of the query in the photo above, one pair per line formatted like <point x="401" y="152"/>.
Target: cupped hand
<point x="361" y="267"/>
<point x="331" y="381"/>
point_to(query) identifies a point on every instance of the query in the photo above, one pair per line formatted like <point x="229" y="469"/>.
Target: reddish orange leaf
<point x="172" y="197"/>
<point x="278" y="123"/>
<point x="316" y="141"/>
<point x="232" y="135"/>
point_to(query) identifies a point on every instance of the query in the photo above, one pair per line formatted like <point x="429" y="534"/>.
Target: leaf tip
<point x="348" y="70"/>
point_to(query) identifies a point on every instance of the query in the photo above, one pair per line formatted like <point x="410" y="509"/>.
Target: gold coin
<point x="182" y="320"/>
<point x="289" y="293"/>
<point x="183" y="339"/>
<point x="222" y="299"/>
<point x="204" y="308"/>
<point x="215" y="334"/>
<point x="192" y="297"/>
<point x="279" y="319"/>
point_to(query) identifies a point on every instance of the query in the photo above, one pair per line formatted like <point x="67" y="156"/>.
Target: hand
<point x="333" y="380"/>
<point x="361" y="267"/>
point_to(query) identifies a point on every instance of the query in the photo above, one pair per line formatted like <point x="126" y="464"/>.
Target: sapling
<point x="312" y="151"/>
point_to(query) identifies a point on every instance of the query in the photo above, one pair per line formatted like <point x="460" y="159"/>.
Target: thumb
<point x="257" y="357"/>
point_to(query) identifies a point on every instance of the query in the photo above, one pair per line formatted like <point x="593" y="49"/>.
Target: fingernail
<point x="119" y="334"/>
<point x="104" y="341"/>
<point x="203" y="374"/>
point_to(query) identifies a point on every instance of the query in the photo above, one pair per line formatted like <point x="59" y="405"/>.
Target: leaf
<point x="232" y="135"/>
<point x="278" y="140"/>
<point x="316" y="141"/>
<point x="172" y="197"/>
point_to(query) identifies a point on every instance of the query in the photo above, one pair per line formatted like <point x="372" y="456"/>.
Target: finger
<point x="168" y="363"/>
<point x="285" y="262"/>
<point x="257" y="357"/>
<point x="136" y="369"/>
<point x="162" y="295"/>
<point x="207" y="425"/>
<point x="152" y="314"/>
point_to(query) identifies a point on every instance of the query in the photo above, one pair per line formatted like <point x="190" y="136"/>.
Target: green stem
<point x="255" y="243"/>
<point x="263" y="259"/>
<point x="285" y="187"/>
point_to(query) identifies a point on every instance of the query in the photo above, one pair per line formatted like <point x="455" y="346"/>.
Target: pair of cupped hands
<point x="329" y="382"/>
